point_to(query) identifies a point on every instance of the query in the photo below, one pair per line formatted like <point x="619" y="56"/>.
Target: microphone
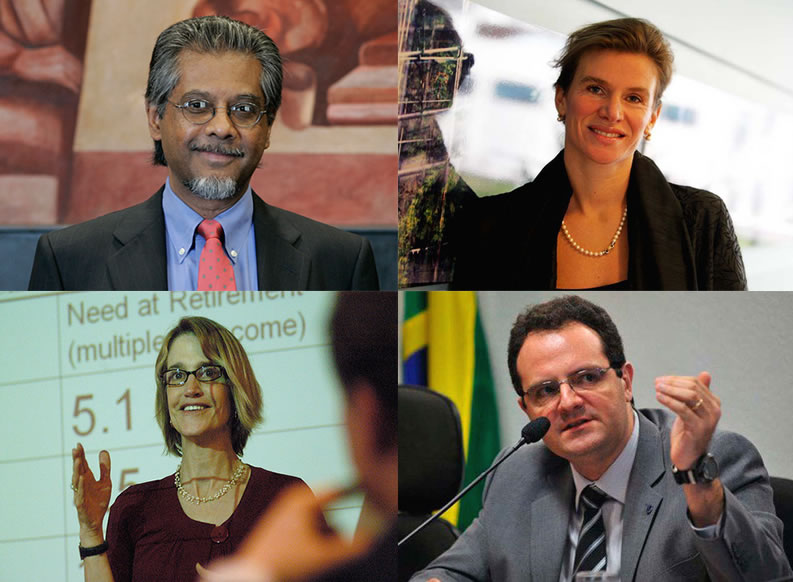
<point x="530" y="433"/>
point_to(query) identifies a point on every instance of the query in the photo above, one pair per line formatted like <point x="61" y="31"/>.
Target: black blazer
<point x="125" y="250"/>
<point x="679" y="238"/>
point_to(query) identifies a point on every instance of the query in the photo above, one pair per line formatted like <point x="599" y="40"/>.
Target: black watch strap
<point x="705" y="470"/>
<point x="94" y="551"/>
<point x="683" y="477"/>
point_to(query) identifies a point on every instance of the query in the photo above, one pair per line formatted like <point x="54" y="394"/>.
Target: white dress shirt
<point x="613" y="482"/>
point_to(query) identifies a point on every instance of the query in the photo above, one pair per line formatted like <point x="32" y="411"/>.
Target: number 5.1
<point x="126" y="398"/>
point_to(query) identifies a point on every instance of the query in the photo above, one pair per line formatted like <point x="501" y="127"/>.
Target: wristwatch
<point x="705" y="470"/>
<point x="93" y="551"/>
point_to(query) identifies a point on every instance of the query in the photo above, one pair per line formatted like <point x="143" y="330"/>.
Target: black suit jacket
<point x="679" y="238"/>
<point x="125" y="250"/>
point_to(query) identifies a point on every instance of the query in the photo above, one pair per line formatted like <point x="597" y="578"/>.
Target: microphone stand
<point x="532" y="432"/>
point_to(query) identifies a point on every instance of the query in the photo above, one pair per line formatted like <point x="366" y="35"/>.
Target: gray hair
<point x="210" y="34"/>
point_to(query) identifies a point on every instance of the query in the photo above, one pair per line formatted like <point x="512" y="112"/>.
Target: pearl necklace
<point x="583" y="251"/>
<point x="177" y="479"/>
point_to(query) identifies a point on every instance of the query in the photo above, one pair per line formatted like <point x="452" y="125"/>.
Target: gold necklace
<point x="235" y="477"/>
<point x="583" y="251"/>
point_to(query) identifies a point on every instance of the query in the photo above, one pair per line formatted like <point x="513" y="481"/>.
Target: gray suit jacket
<point x="520" y="534"/>
<point x="125" y="250"/>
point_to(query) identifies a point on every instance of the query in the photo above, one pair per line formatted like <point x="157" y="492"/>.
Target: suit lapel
<point x="545" y="206"/>
<point x="661" y="256"/>
<point x="642" y="498"/>
<point x="140" y="263"/>
<point x="279" y="264"/>
<point x="550" y="514"/>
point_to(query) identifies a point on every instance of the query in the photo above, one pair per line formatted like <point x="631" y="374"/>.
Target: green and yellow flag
<point x="444" y="349"/>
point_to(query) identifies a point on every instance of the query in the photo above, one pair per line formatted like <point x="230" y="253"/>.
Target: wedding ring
<point x="698" y="404"/>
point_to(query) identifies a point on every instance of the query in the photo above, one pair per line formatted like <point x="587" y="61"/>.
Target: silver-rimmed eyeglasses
<point x="200" y="111"/>
<point x="207" y="373"/>
<point x="546" y="392"/>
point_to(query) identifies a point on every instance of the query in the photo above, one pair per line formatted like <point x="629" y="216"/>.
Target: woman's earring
<point x="560" y="118"/>
<point x="647" y="136"/>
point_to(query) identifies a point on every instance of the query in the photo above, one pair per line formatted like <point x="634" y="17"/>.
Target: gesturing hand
<point x="698" y="412"/>
<point x="91" y="496"/>
<point x="290" y="542"/>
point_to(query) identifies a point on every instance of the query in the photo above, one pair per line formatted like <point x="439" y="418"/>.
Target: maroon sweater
<point x="150" y="537"/>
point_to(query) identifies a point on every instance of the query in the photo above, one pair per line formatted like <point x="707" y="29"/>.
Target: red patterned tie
<point x="215" y="271"/>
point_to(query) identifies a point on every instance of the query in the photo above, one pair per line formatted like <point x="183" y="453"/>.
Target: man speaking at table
<point x="213" y="91"/>
<point x="640" y="494"/>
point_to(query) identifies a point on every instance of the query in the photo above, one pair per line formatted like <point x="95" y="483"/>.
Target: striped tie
<point x="590" y="555"/>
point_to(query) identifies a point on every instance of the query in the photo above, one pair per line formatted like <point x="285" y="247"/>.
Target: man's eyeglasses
<point x="200" y="111"/>
<point x="544" y="393"/>
<point x="177" y="376"/>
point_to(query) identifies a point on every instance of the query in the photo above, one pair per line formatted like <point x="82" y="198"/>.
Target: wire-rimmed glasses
<point x="546" y="392"/>
<point x="200" y="111"/>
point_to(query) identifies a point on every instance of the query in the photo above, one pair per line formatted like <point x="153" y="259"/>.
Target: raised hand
<point x="91" y="496"/>
<point x="698" y="412"/>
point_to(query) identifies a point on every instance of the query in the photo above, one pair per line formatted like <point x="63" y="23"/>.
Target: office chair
<point x="431" y="465"/>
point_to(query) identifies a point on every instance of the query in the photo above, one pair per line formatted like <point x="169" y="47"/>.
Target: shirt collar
<point x="614" y="481"/>
<point x="181" y="222"/>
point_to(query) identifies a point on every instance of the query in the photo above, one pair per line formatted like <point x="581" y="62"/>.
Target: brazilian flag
<point x="444" y="348"/>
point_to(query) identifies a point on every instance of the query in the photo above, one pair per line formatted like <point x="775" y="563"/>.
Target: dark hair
<point x="364" y="336"/>
<point x="222" y="348"/>
<point x="210" y="34"/>
<point x="631" y="35"/>
<point x="555" y="314"/>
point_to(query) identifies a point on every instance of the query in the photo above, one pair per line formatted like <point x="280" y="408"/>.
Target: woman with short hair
<point x="601" y="215"/>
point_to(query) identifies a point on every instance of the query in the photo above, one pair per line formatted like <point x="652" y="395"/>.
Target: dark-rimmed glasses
<point x="546" y="392"/>
<point x="201" y="111"/>
<point x="207" y="373"/>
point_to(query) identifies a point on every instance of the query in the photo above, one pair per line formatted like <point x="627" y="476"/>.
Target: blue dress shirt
<point x="183" y="247"/>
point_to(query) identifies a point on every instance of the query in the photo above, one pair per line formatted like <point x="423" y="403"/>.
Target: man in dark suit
<point x="213" y="91"/>
<point x="637" y="494"/>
